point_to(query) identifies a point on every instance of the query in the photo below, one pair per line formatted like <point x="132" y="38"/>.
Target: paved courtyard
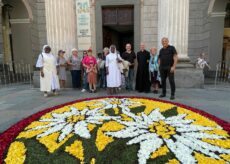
<point x="18" y="102"/>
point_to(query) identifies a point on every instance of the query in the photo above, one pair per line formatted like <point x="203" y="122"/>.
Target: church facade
<point x="192" y="26"/>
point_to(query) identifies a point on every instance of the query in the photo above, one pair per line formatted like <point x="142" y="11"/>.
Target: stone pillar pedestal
<point x="173" y="23"/>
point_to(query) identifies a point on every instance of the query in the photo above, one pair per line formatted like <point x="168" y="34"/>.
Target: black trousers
<point x="76" y="78"/>
<point x="164" y="74"/>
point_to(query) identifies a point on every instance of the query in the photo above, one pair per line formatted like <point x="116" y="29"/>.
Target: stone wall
<point x="149" y="23"/>
<point x="38" y="27"/>
<point x="199" y="28"/>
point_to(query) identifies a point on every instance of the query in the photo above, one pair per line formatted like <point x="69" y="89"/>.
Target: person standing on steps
<point x="167" y="63"/>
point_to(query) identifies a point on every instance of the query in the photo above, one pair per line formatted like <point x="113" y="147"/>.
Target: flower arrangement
<point x="132" y="129"/>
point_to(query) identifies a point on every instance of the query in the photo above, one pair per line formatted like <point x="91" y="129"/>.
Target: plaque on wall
<point x="83" y="24"/>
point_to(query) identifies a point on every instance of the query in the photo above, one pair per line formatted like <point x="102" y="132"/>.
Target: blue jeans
<point x="129" y="79"/>
<point x="76" y="78"/>
<point x="85" y="81"/>
<point x="102" y="78"/>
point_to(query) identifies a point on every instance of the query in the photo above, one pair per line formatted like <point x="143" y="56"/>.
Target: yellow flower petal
<point x="51" y="143"/>
<point x="221" y="143"/>
<point x="102" y="140"/>
<point x="226" y="157"/>
<point x="16" y="153"/>
<point x="91" y="127"/>
<point x="173" y="161"/>
<point x="160" y="152"/>
<point x="93" y="161"/>
<point x="77" y="150"/>
<point x="204" y="160"/>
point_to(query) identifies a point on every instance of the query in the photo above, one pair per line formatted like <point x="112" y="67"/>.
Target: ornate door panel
<point x="117" y="16"/>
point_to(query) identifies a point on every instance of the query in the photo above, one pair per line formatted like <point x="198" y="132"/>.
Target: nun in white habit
<point x="47" y="63"/>
<point x="112" y="70"/>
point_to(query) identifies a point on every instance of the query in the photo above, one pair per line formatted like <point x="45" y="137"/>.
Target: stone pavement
<point x="18" y="102"/>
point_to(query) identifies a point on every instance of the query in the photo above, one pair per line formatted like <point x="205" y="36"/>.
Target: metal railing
<point x="222" y="73"/>
<point x="15" y="73"/>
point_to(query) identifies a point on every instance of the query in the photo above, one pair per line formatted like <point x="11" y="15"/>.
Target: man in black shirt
<point x="129" y="56"/>
<point x="167" y="61"/>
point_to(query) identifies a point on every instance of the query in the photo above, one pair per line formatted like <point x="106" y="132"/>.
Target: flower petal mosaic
<point x="117" y="130"/>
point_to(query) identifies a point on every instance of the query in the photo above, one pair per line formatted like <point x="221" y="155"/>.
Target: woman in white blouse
<point x="47" y="63"/>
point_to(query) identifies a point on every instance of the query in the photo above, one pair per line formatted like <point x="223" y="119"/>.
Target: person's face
<point x="89" y="53"/>
<point x="75" y="53"/>
<point x="128" y="47"/>
<point x="47" y="49"/>
<point x="62" y="54"/>
<point x="153" y="51"/>
<point x="84" y="54"/>
<point x="106" y="52"/>
<point x="113" y="49"/>
<point x="142" y="46"/>
<point x="165" y="43"/>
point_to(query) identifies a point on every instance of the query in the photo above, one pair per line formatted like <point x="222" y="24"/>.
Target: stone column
<point x="60" y="24"/>
<point x="1" y="38"/>
<point x="173" y="23"/>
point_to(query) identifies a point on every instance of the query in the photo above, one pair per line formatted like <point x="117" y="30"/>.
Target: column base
<point x="187" y="76"/>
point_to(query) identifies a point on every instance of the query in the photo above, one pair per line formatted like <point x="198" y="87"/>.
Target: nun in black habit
<point x="142" y="77"/>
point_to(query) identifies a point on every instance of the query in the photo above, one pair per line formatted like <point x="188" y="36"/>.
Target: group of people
<point x="113" y="70"/>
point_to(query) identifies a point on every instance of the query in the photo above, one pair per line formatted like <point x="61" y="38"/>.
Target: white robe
<point x="50" y="80"/>
<point x="114" y="76"/>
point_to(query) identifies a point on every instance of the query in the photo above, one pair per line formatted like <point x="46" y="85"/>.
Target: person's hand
<point x="42" y="74"/>
<point x="172" y="70"/>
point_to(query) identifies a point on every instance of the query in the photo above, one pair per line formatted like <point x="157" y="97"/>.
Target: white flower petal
<point x="191" y="128"/>
<point x="53" y="120"/>
<point x="155" y="115"/>
<point x="178" y="123"/>
<point x="126" y="133"/>
<point x="210" y="147"/>
<point x="192" y="144"/>
<point x="143" y="137"/>
<point x="74" y="111"/>
<point x="182" y="152"/>
<point x="178" y="117"/>
<point x="65" y="131"/>
<point x="81" y="129"/>
<point x="201" y="135"/>
<point x="146" y="148"/>
<point x="52" y="130"/>
<point x="43" y="127"/>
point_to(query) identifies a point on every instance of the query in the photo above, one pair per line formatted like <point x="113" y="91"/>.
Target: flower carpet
<point x="117" y="130"/>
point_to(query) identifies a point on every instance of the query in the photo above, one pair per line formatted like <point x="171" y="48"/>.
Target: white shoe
<point x="45" y="95"/>
<point x="83" y="90"/>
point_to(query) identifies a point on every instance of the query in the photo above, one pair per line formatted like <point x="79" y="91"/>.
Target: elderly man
<point x="167" y="61"/>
